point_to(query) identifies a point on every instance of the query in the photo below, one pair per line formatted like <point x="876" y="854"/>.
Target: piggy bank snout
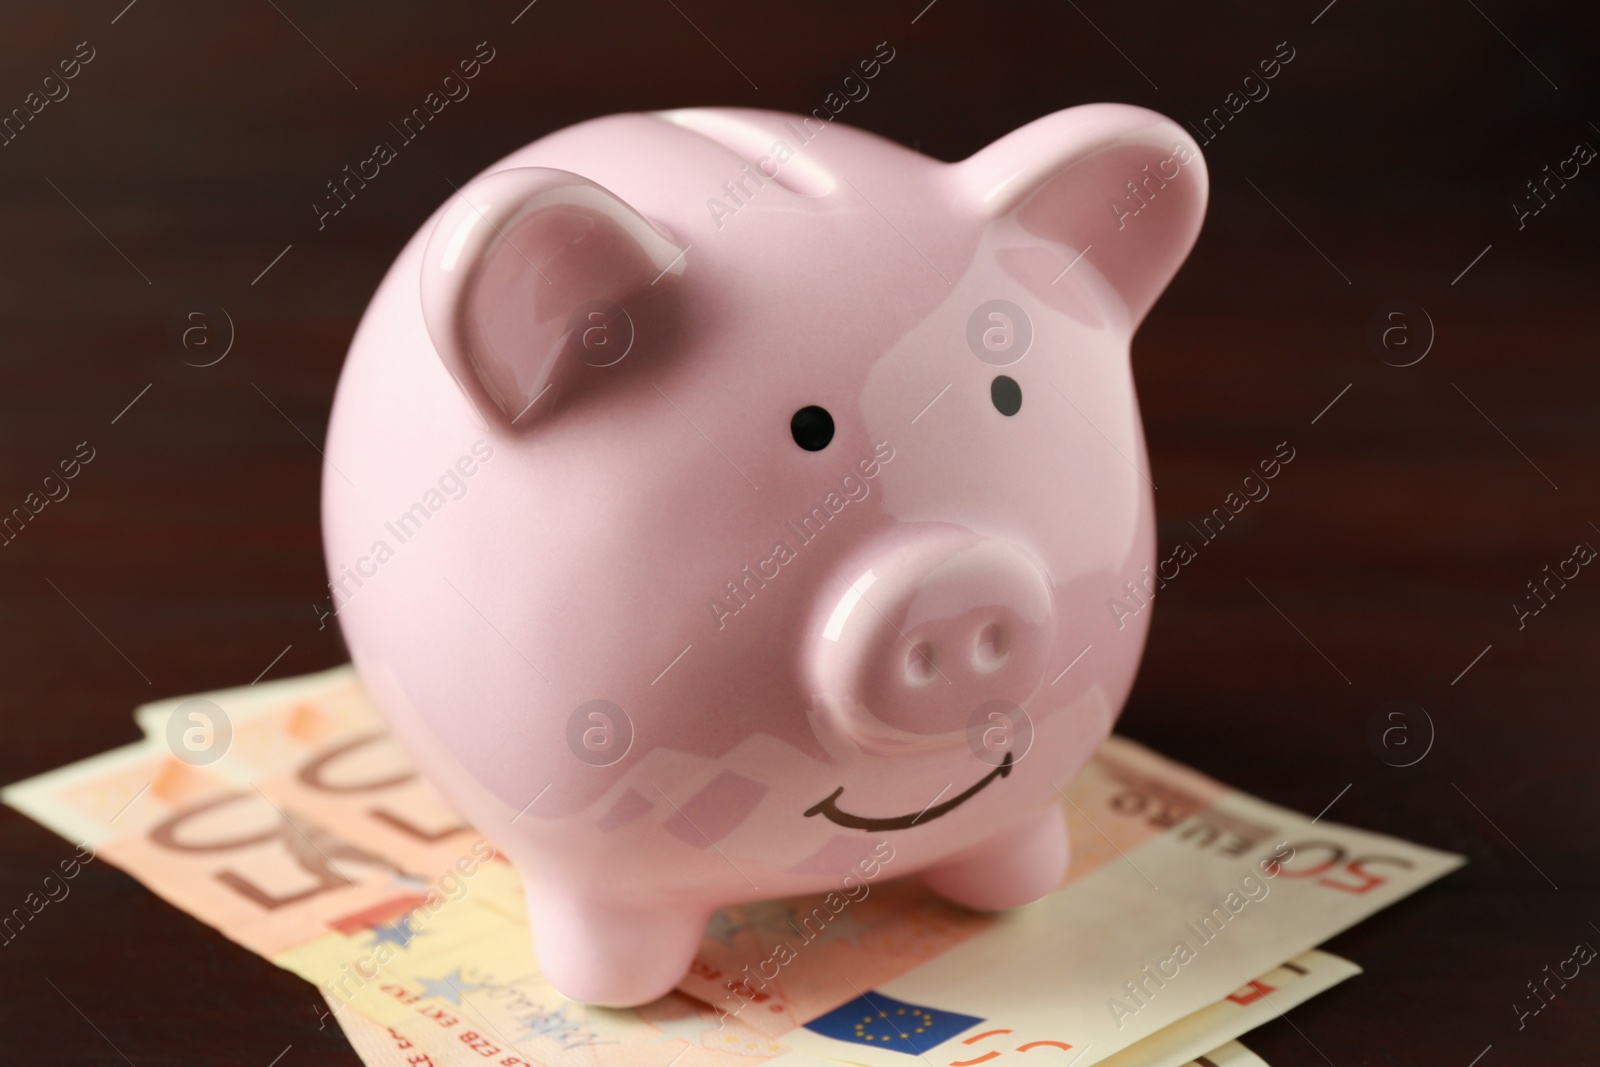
<point x="926" y="634"/>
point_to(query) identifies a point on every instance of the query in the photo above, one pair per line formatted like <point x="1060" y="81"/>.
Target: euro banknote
<point x="1232" y="1054"/>
<point x="428" y="1041"/>
<point x="311" y="840"/>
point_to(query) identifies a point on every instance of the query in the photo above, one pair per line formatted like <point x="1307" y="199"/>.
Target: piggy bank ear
<point x="1124" y="187"/>
<point x="521" y="259"/>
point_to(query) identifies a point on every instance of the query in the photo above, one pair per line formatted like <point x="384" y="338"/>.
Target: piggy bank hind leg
<point x="599" y="951"/>
<point x="1015" y="867"/>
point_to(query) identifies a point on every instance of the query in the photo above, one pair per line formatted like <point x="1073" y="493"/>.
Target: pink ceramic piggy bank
<point x="723" y="505"/>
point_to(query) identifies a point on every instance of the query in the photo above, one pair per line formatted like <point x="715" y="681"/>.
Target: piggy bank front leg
<point x="1017" y="866"/>
<point x="601" y="951"/>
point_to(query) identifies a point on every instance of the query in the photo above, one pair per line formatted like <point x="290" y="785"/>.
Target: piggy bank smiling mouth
<point x="828" y="807"/>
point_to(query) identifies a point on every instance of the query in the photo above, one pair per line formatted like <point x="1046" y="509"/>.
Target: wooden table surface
<point x="178" y="175"/>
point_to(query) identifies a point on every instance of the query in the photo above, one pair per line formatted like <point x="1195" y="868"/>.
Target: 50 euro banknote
<point x="453" y="1036"/>
<point x="312" y="841"/>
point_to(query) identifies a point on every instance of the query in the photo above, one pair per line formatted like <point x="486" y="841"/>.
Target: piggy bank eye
<point x="812" y="428"/>
<point x="1006" y="394"/>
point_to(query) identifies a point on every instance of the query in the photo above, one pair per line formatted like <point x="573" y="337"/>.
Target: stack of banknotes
<point x="295" y="826"/>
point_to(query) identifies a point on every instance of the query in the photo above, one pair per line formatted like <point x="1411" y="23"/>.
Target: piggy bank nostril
<point x="919" y="664"/>
<point x="990" y="650"/>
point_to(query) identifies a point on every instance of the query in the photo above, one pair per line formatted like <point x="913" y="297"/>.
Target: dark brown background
<point x="1397" y="140"/>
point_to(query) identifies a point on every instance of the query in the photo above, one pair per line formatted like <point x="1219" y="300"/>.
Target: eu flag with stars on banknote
<point x="883" y="1022"/>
